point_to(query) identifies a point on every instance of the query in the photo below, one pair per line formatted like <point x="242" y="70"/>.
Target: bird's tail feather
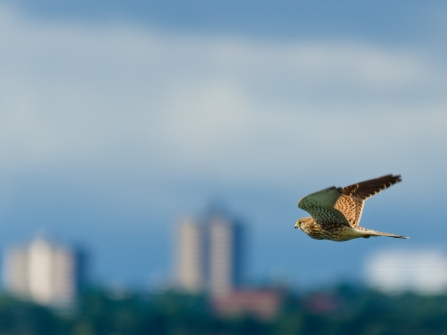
<point x="379" y="233"/>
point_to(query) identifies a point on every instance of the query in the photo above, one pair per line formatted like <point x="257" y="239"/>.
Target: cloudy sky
<point x="118" y="118"/>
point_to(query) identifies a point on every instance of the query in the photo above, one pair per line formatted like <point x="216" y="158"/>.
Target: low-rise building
<point x="420" y="271"/>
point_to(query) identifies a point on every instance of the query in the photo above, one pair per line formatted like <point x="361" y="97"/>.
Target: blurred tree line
<point x="344" y="310"/>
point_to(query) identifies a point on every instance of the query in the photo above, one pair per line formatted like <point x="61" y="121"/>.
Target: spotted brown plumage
<point x="336" y="211"/>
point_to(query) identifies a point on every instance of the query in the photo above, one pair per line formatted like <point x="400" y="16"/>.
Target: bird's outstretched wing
<point x="321" y="206"/>
<point x="352" y="198"/>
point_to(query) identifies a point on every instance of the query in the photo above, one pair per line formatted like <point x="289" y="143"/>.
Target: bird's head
<point x="301" y="223"/>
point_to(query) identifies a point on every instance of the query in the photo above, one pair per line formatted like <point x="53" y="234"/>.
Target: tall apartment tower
<point x="208" y="255"/>
<point x="190" y="256"/>
<point x="46" y="273"/>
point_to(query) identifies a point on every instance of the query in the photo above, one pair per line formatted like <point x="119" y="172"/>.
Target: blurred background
<point x="134" y="134"/>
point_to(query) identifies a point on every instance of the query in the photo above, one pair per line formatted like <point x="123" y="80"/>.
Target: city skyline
<point x="27" y="267"/>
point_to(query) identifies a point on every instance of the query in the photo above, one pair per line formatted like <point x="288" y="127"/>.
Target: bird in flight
<point x="336" y="211"/>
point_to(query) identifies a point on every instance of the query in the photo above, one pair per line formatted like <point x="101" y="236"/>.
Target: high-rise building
<point x="208" y="254"/>
<point x="44" y="272"/>
<point x="190" y="256"/>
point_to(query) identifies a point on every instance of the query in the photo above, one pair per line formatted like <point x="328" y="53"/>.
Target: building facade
<point x="44" y="272"/>
<point x="208" y="254"/>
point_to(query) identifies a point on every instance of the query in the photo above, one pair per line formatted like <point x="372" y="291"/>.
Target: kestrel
<point x="336" y="211"/>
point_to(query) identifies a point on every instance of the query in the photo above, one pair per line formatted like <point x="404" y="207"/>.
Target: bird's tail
<point x="369" y="233"/>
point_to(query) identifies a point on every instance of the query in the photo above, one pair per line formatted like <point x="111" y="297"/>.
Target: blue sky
<point x="119" y="118"/>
